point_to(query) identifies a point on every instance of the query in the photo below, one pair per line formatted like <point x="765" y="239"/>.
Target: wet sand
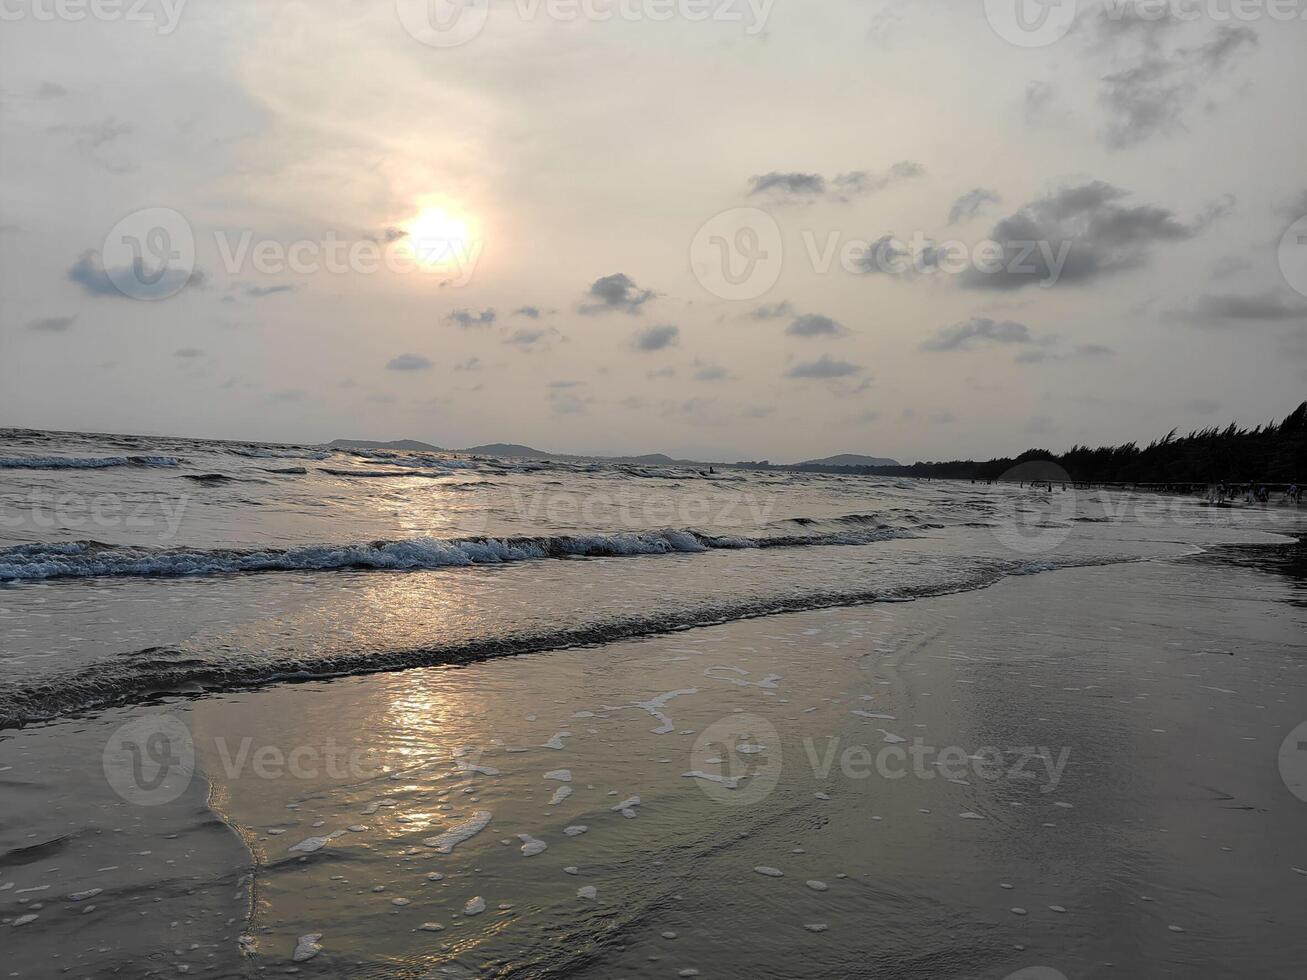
<point x="1077" y="770"/>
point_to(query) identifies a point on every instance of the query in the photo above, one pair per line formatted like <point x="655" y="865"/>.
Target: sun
<point x="437" y="237"/>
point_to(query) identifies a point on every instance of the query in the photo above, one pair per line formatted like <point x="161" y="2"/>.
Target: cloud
<point x="941" y="418"/>
<point x="773" y="311"/>
<point x="52" y="324"/>
<point x="814" y="325"/>
<point x="89" y="273"/>
<point x="472" y="318"/>
<point x="1077" y="234"/>
<point x="532" y="312"/>
<point x="616" y="292"/>
<point x="1038" y="106"/>
<point x="798" y="186"/>
<point x="788" y="184"/>
<point x="971" y="204"/>
<point x="563" y="384"/>
<point x="567" y="403"/>
<point x="977" y="330"/>
<point x="525" y="338"/>
<point x="471" y="364"/>
<point x="409" y="362"/>
<point x="887" y="256"/>
<point x="258" y="292"/>
<point x="50" y="90"/>
<point x="188" y="353"/>
<point x="1046" y="354"/>
<point x="1268" y="306"/>
<point x="710" y="372"/>
<point x="656" y="338"/>
<point x="1153" y="85"/>
<point x="823" y="367"/>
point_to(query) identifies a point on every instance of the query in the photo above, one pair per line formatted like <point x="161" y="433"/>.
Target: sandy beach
<point x="1062" y="771"/>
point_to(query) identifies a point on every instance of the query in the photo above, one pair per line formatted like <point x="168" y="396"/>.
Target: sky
<point x="722" y="229"/>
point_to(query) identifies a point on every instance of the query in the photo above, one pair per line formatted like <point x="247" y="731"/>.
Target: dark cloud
<point x="814" y="325"/>
<point x="532" y="312"/>
<point x="773" y="311"/>
<point x="526" y="338"/>
<point x="617" y="292"/>
<point x="52" y="324"/>
<point x="710" y="372"/>
<point x="89" y="273"/>
<point x="258" y="292"/>
<point x="1219" y="308"/>
<point x="971" y="204"/>
<point x="886" y="256"/>
<point x="1038" y="107"/>
<point x="472" y="318"/>
<point x="409" y="362"/>
<point x="471" y="364"/>
<point x="823" y="367"/>
<point x="563" y="384"/>
<point x="1154" y="82"/>
<point x="788" y="184"/>
<point x="795" y="186"/>
<point x="50" y="90"/>
<point x="979" y="329"/>
<point x="1078" y="234"/>
<point x="188" y="353"/>
<point x="656" y="338"/>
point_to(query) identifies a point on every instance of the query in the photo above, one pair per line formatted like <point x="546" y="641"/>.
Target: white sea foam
<point x="460" y="832"/>
<point x="560" y="794"/>
<point x="308" y="947"/>
<point x="474" y="906"/>
<point x="562" y="775"/>
<point x="531" y="846"/>
<point x="311" y="844"/>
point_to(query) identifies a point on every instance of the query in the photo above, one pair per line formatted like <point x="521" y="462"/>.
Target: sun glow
<point x="437" y="237"/>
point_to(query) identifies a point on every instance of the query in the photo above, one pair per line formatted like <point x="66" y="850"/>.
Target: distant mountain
<point x="509" y="450"/>
<point x="850" y="459"/>
<point x="406" y="445"/>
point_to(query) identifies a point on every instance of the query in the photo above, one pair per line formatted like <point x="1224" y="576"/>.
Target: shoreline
<point x="970" y="669"/>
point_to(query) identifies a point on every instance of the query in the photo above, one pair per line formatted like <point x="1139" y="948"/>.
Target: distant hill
<point x="509" y="450"/>
<point x="406" y="445"/>
<point x="850" y="459"/>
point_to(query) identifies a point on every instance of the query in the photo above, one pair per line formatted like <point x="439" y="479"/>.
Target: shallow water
<point x="1082" y="696"/>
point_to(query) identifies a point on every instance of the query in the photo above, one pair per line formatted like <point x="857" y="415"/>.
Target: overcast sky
<point x="778" y="232"/>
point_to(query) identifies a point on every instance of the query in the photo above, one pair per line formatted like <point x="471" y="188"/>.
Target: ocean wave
<point x="90" y="559"/>
<point x="381" y="474"/>
<point x="81" y="463"/>
<point x="147" y="672"/>
<point x="264" y="453"/>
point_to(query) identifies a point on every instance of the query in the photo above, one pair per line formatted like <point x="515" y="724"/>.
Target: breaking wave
<point x="81" y="463"/>
<point x="90" y="559"/>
